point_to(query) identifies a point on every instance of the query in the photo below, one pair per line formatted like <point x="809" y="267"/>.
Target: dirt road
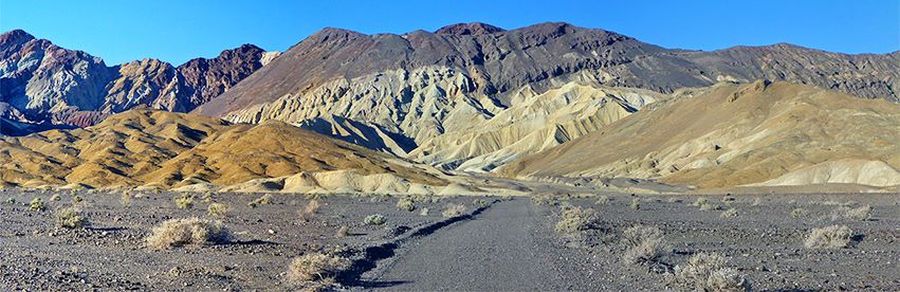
<point x="499" y="250"/>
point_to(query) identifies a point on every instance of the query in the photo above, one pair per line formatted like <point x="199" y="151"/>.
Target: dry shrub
<point x="37" y="204"/>
<point x="635" y="204"/>
<point x="602" y="200"/>
<point x="184" y="201"/>
<point x="862" y="213"/>
<point x="406" y="204"/>
<point x="730" y="213"/>
<point x="480" y="203"/>
<point x="453" y="210"/>
<point x="190" y="231"/>
<point x="645" y="244"/>
<point x="375" y="219"/>
<point x="71" y="218"/>
<point x="424" y="212"/>
<point x="700" y="202"/>
<point x="55" y="197"/>
<point x="316" y="267"/>
<point x="708" y="272"/>
<point x="310" y="210"/>
<point x="575" y="219"/>
<point x="217" y="210"/>
<point x="543" y="199"/>
<point x="834" y="236"/>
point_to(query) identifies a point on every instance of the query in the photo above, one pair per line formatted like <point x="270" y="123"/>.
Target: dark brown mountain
<point x="43" y="85"/>
<point x="500" y="61"/>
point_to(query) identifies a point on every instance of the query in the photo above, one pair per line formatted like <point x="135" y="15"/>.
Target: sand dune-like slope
<point x="162" y="149"/>
<point x="730" y="135"/>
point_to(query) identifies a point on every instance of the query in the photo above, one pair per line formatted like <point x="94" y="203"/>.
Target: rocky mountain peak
<point x="471" y="28"/>
<point x="15" y="36"/>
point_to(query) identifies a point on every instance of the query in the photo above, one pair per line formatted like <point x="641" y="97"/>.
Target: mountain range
<point x="550" y="100"/>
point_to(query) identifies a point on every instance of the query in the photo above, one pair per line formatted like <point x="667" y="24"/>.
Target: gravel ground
<point x="35" y="254"/>
<point x="510" y="245"/>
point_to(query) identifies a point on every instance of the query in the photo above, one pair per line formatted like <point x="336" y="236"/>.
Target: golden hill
<point x="730" y="135"/>
<point x="163" y="149"/>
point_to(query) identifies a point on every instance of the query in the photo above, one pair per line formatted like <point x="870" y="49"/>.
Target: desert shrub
<point x="645" y="244"/>
<point x="406" y="204"/>
<point x="862" y="213"/>
<point x="602" y="200"/>
<point x="316" y="267"/>
<point x="480" y="203"/>
<point x="835" y="236"/>
<point x="77" y="199"/>
<point x="700" y="202"/>
<point x="11" y="201"/>
<point x="184" y="201"/>
<point x="342" y="232"/>
<point x="575" y="219"/>
<point x="70" y="217"/>
<point x="55" y="197"/>
<point x="424" y="212"/>
<point x="799" y="213"/>
<point x="264" y="200"/>
<point x="37" y="204"/>
<point x="206" y="197"/>
<point x="674" y="200"/>
<point x="309" y="210"/>
<point x="543" y="199"/>
<point x="730" y="213"/>
<point x="375" y="219"/>
<point x="708" y="272"/>
<point x="635" y="204"/>
<point x="218" y="210"/>
<point x="190" y="231"/>
<point x="453" y="210"/>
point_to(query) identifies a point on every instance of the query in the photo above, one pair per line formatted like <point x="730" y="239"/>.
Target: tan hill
<point x="731" y="135"/>
<point x="162" y="149"/>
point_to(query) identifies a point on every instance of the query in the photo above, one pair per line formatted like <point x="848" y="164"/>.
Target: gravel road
<point x="499" y="250"/>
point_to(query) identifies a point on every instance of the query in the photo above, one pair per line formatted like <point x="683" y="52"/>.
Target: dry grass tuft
<point x="217" y="210"/>
<point x="575" y="219"/>
<point x="184" y="201"/>
<point x="730" y="213"/>
<point x="834" y="236"/>
<point x="375" y="219"/>
<point x="37" y="204"/>
<point x="453" y="210"/>
<point x="316" y="267"/>
<point x="190" y="231"/>
<point x="645" y="244"/>
<point x="862" y="213"/>
<point x="635" y="204"/>
<point x="406" y="204"/>
<point x="708" y="272"/>
<point x="71" y="218"/>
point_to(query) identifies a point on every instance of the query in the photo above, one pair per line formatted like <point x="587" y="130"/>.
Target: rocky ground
<point x="496" y="244"/>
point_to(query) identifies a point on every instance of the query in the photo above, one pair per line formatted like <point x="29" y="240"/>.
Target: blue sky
<point x="176" y="31"/>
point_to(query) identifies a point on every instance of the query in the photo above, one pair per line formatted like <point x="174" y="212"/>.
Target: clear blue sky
<point x="175" y="31"/>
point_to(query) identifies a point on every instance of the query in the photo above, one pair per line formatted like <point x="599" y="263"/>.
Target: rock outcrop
<point x="49" y="86"/>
